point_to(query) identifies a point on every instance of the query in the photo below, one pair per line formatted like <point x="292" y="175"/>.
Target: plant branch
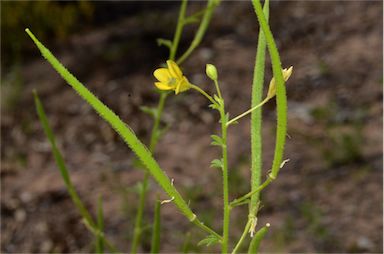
<point x="211" y="5"/>
<point x="242" y="238"/>
<point x="253" y="192"/>
<point x="248" y="111"/>
<point x="179" y="29"/>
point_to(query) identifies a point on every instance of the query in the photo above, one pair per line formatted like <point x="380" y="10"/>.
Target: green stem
<point x="256" y="118"/>
<point x="211" y="5"/>
<point x="156" y="125"/>
<point x="218" y="89"/>
<point x="100" y="224"/>
<point x="203" y="93"/>
<point x="248" y="111"/>
<point x="281" y="99"/>
<point x="155" y="242"/>
<point x="94" y="230"/>
<point x="242" y="238"/>
<point x="139" y="214"/>
<point x="201" y="225"/>
<point x="253" y="192"/>
<point x="226" y="215"/>
<point x="179" y="29"/>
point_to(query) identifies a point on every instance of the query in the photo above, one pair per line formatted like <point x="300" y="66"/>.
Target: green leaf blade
<point x="120" y="127"/>
<point x="217" y="163"/>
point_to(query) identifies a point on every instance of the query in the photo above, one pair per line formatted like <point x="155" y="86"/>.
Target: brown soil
<point x="328" y="197"/>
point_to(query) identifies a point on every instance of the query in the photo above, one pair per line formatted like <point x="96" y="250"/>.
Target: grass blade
<point x="65" y="174"/>
<point x="60" y="161"/>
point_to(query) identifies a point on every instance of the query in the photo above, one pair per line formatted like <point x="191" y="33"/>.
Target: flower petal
<point x="174" y="69"/>
<point x="182" y="85"/>
<point x="177" y="90"/>
<point x="162" y="74"/>
<point x="163" y="86"/>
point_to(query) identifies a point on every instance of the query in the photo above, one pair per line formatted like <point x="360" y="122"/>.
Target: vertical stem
<point x="256" y="117"/>
<point x="155" y="129"/>
<point x="201" y="30"/>
<point x="226" y="215"/>
<point x="179" y="29"/>
<point x="155" y="243"/>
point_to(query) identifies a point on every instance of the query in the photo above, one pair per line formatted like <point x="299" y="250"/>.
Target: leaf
<point x="164" y="42"/>
<point x="214" y="106"/>
<point x="125" y="132"/>
<point x="66" y="177"/>
<point x="209" y="240"/>
<point x="217" y="141"/>
<point x="217" y="163"/>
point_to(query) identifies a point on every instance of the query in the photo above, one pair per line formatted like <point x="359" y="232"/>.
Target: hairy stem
<point x="226" y="215"/>
<point x="256" y="117"/>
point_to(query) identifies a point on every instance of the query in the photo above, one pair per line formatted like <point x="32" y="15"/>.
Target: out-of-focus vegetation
<point x="48" y="19"/>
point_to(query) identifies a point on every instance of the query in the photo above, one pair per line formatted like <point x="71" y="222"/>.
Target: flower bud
<point x="211" y="71"/>
<point x="272" y="85"/>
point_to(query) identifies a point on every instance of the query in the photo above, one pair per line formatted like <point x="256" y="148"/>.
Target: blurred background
<point x="327" y="198"/>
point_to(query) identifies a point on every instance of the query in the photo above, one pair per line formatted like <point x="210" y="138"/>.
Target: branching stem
<point x="248" y="111"/>
<point x="249" y="194"/>
<point x="242" y="238"/>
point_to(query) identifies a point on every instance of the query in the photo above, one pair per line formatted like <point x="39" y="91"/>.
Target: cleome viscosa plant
<point x="170" y="78"/>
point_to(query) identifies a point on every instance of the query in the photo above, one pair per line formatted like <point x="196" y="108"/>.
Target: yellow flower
<point x="272" y="86"/>
<point x="171" y="78"/>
